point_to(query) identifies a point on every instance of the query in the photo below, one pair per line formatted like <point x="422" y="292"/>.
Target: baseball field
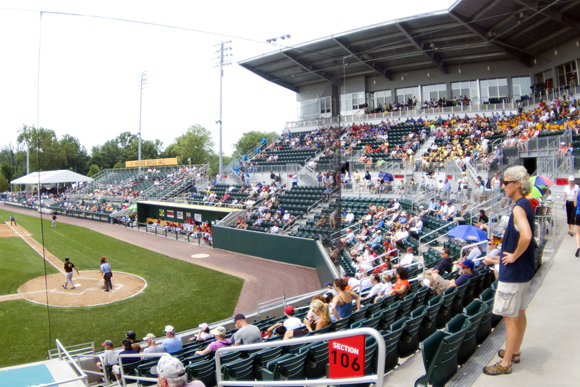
<point x="150" y="290"/>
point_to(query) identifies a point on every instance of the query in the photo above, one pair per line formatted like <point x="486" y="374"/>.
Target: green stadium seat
<point x="474" y="312"/>
<point x="440" y="354"/>
<point x="410" y="339"/>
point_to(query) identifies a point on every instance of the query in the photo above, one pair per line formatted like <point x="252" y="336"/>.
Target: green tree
<point x="123" y="148"/>
<point x="250" y="140"/>
<point x="214" y="165"/>
<point x="93" y="170"/>
<point x="4" y="184"/>
<point x="75" y="155"/>
<point x="43" y="147"/>
<point x="118" y="165"/>
<point x="195" y="144"/>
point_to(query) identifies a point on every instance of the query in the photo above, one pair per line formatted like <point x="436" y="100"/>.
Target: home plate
<point x="200" y="256"/>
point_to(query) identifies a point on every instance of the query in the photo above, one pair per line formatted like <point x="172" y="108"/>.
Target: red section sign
<point x="561" y="181"/>
<point x="346" y="357"/>
<point x="399" y="176"/>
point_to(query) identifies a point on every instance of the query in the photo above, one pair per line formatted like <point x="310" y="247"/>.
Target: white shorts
<point x="510" y="298"/>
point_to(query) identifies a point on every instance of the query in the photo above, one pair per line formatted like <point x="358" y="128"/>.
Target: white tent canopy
<point x="51" y="177"/>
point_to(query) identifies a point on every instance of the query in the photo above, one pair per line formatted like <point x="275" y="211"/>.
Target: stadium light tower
<point x="223" y="59"/>
<point x="142" y="85"/>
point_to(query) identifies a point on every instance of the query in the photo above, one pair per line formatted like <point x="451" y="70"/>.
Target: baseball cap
<point x="289" y="309"/>
<point x="108" y="342"/>
<point x="219" y="331"/>
<point x="349" y="230"/>
<point x="239" y="316"/>
<point x="169" y="328"/>
<point x="347" y="275"/>
<point x="409" y="249"/>
<point x="150" y="336"/>
<point x="130" y="335"/>
<point x="571" y="178"/>
<point x="468" y="263"/>
<point x="66" y="258"/>
<point x="203" y="326"/>
<point x="328" y="284"/>
<point x="168" y="367"/>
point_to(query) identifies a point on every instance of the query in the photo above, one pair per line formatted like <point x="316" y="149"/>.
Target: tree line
<point x="48" y="152"/>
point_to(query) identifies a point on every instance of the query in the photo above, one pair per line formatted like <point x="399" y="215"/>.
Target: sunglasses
<point x="506" y="182"/>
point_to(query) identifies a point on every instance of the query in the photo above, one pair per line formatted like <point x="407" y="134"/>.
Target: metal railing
<point x="377" y="379"/>
<point x="460" y="108"/>
<point x="435" y="231"/>
<point x="82" y="375"/>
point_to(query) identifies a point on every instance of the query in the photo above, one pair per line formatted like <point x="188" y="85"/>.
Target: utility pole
<point x="223" y="59"/>
<point x="142" y="84"/>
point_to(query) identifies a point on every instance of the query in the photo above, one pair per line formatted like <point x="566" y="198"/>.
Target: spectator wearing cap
<point x="171" y="373"/>
<point x="220" y="341"/>
<point x="492" y="258"/>
<point x="247" y="333"/>
<point x="127" y="350"/>
<point x="467" y="272"/>
<point x="463" y="214"/>
<point x="110" y="356"/>
<point x="203" y="334"/>
<point x="330" y="288"/>
<point x="406" y="260"/>
<point x="151" y="346"/>
<point x="442" y="210"/>
<point x="131" y="336"/>
<point x="349" y="217"/>
<point x="444" y="265"/>
<point x="349" y="237"/>
<point x="291" y="322"/>
<point x="172" y="344"/>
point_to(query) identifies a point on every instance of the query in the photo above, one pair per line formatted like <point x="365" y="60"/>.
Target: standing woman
<point x="577" y="213"/>
<point x="570" y="194"/>
<point x="342" y="302"/>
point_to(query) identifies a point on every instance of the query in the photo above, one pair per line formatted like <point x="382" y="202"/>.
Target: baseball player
<point x="68" y="268"/>
<point x="54" y="222"/>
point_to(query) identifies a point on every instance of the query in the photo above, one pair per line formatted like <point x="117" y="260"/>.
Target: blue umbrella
<point x="468" y="233"/>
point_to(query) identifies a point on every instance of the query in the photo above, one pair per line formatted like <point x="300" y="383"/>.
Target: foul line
<point x="34" y="248"/>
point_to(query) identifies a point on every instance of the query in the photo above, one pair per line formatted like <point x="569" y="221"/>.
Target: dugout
<point x="177" y="212"/>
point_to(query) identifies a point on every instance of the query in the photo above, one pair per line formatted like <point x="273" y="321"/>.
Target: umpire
<point x="107" y="274"/>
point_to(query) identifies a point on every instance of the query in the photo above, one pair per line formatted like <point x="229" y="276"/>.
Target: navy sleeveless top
<point x="522" y="270"/>
<point x="345" y="309"/>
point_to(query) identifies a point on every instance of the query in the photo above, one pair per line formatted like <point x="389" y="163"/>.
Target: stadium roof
<point x="51" y="177"/>
<point x="469" y="31"/>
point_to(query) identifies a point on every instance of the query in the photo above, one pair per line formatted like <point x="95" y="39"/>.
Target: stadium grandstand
<point x="404" y="132"/>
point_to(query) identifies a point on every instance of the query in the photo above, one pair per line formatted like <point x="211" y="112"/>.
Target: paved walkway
<point x="263" y="279"/>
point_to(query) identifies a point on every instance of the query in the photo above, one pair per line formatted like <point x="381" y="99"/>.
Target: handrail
<point x="82" y="376"/>
<point x="377" y="379"/>
<point x="477" y="206"/>
<point x="469" y="246"/>
<point x="437" y="230"/>
<point x="124" y="376"/>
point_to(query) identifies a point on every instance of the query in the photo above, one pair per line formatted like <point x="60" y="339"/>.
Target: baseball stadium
<point x="421" y="208"/>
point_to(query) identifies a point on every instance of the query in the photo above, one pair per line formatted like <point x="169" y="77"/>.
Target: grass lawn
<point x="178" y="293"/>
<point x="19" y="264"/>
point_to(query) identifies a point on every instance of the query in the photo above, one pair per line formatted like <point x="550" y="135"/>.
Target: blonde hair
<point x="321" y="308"/>
<point x="519" y="173"/>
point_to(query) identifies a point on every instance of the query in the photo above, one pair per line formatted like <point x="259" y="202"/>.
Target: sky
<point x="84" y="79"/>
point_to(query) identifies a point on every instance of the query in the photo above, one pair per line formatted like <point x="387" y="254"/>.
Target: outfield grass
<point x="19" y="264"/>
<point x="177" y="293"/>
